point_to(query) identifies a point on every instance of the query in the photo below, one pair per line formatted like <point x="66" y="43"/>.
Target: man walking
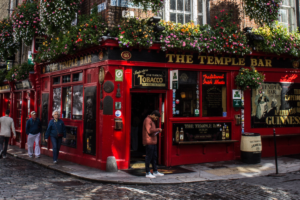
<point x="33" y="130"/>
<point x="7" y="124"/>
<point x="150" y="141"/>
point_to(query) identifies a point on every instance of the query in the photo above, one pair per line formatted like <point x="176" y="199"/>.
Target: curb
<point x="104" y="181"/>
<point x="118" y="182"/>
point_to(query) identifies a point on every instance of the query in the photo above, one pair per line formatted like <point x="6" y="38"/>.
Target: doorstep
<point x="225" y="170"/>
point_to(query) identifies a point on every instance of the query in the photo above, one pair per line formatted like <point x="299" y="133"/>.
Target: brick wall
<point x="3" y="9"/>
<point x="238" y="13"/>
<point x="113" y="14"/>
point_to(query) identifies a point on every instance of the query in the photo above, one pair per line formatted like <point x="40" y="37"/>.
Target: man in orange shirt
<point x="150" y="141"/>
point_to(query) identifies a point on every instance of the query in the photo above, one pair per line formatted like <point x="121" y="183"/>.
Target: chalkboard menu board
<point x="212" y="100"/>
<point x="201" y="132"/>
<point x="71" y="138"/>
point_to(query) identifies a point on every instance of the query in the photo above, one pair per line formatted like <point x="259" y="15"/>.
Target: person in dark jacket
<point x="33" y="130"/>
<point x="56" y="130"/>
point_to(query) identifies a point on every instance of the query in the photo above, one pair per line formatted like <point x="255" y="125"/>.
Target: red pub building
<point x="103" y="95"/>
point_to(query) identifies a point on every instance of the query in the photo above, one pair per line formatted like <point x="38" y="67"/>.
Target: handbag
<point x="59" y="135"/>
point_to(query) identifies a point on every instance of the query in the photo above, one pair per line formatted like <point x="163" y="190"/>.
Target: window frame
<point x="200" y="96"/>
<point x="194" y="11"/>
<point x="292" y="8"/>
<point x="63" y="85"/>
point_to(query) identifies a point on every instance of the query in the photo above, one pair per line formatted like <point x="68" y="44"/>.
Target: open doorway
<point x="142" y="104"/>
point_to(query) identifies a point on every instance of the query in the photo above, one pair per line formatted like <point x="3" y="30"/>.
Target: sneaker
<point x="158" y="173"/>
<point x="37" y="156"/>
<point x="4" y="156"/>
<point x="54" y="162"/>
<point x="30" y="156"/>
<point x="150" y="176"/>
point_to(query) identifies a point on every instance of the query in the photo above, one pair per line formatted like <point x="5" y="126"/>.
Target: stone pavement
<point x="226" y="170"/>
<point x="22" y="179"/>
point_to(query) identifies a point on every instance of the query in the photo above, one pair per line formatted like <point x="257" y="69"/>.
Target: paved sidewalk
<point x="226" y="170"/>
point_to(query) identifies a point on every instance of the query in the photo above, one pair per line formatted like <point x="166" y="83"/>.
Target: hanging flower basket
<point x="26" y="22"/>
<point x="8" y="47"/>
<point x="262" y="11"/>
<point x="249" y="78"/>
<point x="86" y="33"/>
<point x="57" y="15"/>
<point x="18" y="73"/>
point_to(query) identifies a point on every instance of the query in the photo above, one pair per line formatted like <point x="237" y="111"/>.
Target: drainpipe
<point x="8" y="8"/>
<point x="20" y="53"/>
<point x="297" y="14"/>
<point x="207" y="12"/>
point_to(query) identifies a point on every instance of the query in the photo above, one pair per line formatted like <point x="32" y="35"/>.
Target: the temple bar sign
<point x="216" y="60"/>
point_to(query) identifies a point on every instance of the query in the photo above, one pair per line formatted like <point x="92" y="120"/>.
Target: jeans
<point x="5" y="141"/>
<point x="56" y="143"/>
<point x="151" y="157"/>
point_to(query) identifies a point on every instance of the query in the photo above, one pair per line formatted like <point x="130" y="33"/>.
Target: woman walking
<point x="56" y="130"/>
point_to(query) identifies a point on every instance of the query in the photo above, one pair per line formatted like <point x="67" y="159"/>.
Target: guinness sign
<point x="149" y="78"/>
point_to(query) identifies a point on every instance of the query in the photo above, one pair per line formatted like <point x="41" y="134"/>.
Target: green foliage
<point x="262" y="11"/>
<point x="135" y="32"/>
<point x="8" y="47"/>
<point x="249" y="78"/>
<point x="57" y="15"/>
<point x="154" y="5"/>
<point x="278" y="40"/>
<point x="26" y="22"/>
<point x="2" y="75"/>
<point x="223" y="37"/>
<point x="17" y="73"/>
<point x="87" y="33"/>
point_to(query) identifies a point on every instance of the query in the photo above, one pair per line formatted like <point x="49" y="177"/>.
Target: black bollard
<point x="275" y="151"/>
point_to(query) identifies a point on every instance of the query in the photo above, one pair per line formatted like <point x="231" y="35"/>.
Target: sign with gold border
<point x="126" y="55"/>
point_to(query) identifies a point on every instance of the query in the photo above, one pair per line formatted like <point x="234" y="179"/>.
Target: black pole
<point x="298" y="14"/>
<point x="275" y="151"/>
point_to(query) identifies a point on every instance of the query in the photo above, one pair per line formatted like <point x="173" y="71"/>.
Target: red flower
<point x="216" y="17"/>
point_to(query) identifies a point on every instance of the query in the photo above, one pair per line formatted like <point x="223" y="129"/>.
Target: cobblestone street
<point x="20" y="179"/>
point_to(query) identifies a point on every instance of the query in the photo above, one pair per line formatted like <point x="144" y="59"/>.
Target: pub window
<point x="19" y="109"/>
<point x="28" y="108"/>
<point x="66" y="100"/>
<point x="214" y="94"/>
<point x="186" y="97"/>
<point x="184" y="11"/>
<point x="56" y="99"/>
<point x="66" y="79"/>
<point x="287" y="14"/>
<point x="181" y="11"/>
<point x="56" y="80"/>
<point x="77" y="77"/>
<point x="77" y="101"/>
<point x="69" y="104"/>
